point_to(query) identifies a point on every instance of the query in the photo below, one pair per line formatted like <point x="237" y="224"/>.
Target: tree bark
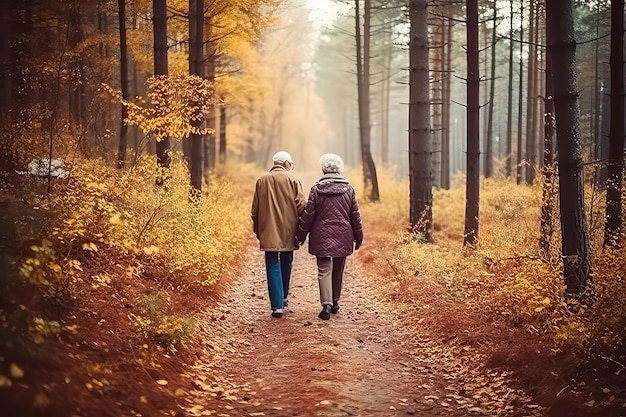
<point x="121" y="151"/>
<point x="614" y="219"/>
<point x="520" y="103"/>
<point x="575" y="241"/>
<point x="473" y="126"/>
<point x="159" y="21"/>
<point x="363" y="80"/>
<point x="492" y="96"/>
<point x="421" y="200"/>
<point x="549" y="180"/>
<point x="223" y="134"/>
<point x="210" y="145"/>
<point x="76" y="89"/>
<point x="437" y="34"/>
<point x="531" y="103"/>
<point x="509" y="120"/>
<point x="445" y="109"/>
<point x="8" y="67"/>
<point x="196" y="55"/>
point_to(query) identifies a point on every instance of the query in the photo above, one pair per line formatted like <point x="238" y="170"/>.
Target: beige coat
<point x="277" y="204"/>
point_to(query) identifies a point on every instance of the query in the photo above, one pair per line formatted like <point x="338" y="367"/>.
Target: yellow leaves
<point x="101" y="280"/>
<point x="174" y="107"/>
<point x="40" y="268"/>
<point x="75" y="264"/>
<point x="16" y="372"/>
<point x="151" y="250"/>
<point x="97" y="374"/>
<point x="41" y="329"/>
<point x="116" y="219"/>
<point x="91" y="247"/>
<point x="545" y="302"/>
<point x="5" y="381"/>
<point x="40" y="400"/>
<point x="96" y="186"/>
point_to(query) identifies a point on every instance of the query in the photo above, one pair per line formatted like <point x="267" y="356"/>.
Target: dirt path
<point x="355" y="364"/>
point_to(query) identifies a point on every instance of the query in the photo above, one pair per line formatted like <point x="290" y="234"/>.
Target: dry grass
<point x="501" y="284"/>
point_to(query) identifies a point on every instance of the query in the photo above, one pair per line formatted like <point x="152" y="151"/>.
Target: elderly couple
<point x="282" y="221"/>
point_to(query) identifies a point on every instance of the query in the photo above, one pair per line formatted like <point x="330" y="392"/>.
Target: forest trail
<point x="355" y="364"/>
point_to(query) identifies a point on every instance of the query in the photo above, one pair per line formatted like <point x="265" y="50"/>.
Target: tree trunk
<point x="159" y="22"/>
<point x="549" y="183"/>
<point x="421" y="199"/>
<point x="8" y="67"/>
<point x="445" y="109"/>
<point x="520" y="103"/>
<point x="223" y="134"/>
<point x="531" y="103"/>
<point x="121" y="151"/>
<point x="386" y="88"/>
<point x="196" y="55"/>
<point x="75" y="68"/>
<point x="575" y="241"/>
<point x="210" y="145"/>
<point x="473" y="126"/>
<point x="436" y="97"/>
<point x="492" y="96"/>
<point x="613" y="219"/>
<point x="597" y="99"/>
<point x="509" y="120"/>
<point x="363" y="80"/>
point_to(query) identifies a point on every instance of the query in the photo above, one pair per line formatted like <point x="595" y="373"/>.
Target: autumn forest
<point x="485" y="141"/>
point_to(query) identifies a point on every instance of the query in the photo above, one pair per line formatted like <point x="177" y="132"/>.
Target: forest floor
<point x="356" y="364"/>
<point x="359" y="363"/>
<point x="382" y="354"/>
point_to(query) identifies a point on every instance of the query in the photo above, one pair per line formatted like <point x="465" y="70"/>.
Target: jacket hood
<point x="333" y="184"/>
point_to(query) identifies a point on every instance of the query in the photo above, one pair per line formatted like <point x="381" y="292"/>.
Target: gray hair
<point x="331" y="163"/>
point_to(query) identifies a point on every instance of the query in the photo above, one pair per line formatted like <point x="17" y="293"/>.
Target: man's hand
<point x="357" y="245"/>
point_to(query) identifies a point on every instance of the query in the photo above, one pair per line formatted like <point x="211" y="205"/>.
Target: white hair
<point x="331" y="163"/>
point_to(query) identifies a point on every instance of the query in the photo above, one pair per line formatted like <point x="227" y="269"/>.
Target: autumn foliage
<point x="503" y="288"/>
<point x="110" y="242"/>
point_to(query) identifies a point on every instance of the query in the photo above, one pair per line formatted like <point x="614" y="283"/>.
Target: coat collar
<point x="278" y="168"/>
<point x="332" y="177"/>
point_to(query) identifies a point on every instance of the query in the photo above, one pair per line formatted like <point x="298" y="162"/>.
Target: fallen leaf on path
<point x="324" y="402"/>
<point x="40" y="400"/>
<point x="5" y="382"/>
<point x="16" y="371"/>
<point x="161" y="381"/>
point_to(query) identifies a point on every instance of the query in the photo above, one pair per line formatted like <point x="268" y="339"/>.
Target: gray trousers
<point x="330" y="277"/>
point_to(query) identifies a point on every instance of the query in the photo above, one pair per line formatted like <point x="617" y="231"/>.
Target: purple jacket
<point x="332" y="218"/>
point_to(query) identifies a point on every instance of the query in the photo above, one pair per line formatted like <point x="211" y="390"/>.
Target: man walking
<point x="277" y="204"/>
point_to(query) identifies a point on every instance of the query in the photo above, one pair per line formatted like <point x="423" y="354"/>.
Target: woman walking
<point x="332" y="218"/>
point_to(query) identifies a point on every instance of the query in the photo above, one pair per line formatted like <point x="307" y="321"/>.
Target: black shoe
<point x="335" y="308"/>
<point x="278" y="313"/>
<point x="325" y="313"/>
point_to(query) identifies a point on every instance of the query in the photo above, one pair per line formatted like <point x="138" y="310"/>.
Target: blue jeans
<point x="278" y="268"/>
